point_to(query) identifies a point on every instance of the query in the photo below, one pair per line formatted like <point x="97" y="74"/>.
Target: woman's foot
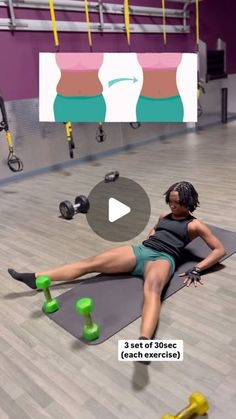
<point x="27" y="278"/>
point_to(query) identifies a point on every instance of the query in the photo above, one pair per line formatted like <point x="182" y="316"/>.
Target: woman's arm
<point x="199" y="229"/>
<point x="217" y="248"/>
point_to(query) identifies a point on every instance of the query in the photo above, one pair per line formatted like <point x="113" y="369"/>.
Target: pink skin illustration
<point x="79" y="62"/>
<point x="164" y="61"/>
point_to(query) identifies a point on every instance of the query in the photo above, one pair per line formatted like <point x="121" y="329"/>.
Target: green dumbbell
<point x="50" y="305"/>
<point x="198" y="405"/>
<point x="84" y="306"/>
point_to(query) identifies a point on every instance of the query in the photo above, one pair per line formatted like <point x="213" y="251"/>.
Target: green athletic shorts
<point x="146" y="254"/>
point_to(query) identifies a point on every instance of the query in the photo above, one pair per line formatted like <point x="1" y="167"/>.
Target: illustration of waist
<point x="79" y="84"/>
<point x="159" y="84"/>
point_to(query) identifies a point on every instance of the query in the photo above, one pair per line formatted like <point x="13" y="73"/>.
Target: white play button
<point x="116" y="210"/>
<point x="119" y="211"/>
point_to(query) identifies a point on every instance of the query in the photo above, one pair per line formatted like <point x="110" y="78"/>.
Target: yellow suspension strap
<point x="127" y="20"/>
<point x="164" y="20"/>
<point x="69" y="137"/>
<point x="14" y="163"/>
<point x="54" y="25"/>
<point x="197" y="22"/>
<point x="88" y="23"/>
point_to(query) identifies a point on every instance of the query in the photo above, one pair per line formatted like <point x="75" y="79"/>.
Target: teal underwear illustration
<point x="160" y="110"/>
<point x="118" y="87"/>
<point x="79" y="108"/>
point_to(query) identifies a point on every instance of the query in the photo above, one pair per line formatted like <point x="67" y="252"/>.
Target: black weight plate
<point x="67" y="210"/>
<point x="84" y="204"/>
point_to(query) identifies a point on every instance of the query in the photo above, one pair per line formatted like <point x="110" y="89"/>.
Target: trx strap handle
<point x="14" y="163"/>
<point x="135" y="125"/>
<point x="127" y="20"/>
<point x="100" y="134"/>
<point x="88" y="22"/>
<point x="197" y="22"/>
<point x="164" y="20"/>
<point x="69" y="137"/>
<point x="54" y="25"/>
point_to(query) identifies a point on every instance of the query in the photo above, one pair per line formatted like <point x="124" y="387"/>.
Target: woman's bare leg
<point x="116" y="260"/>
<point x="157" y="274"/>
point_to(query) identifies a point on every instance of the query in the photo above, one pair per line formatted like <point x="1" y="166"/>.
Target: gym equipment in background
<point x="54" y="26"/>
<point x="200" y="90"/>
<point x="163" y="6"/>
<point x="68" y="125"/>
<point x="14" y="163"/>
<point x="135" y="125"/>
<point x="68" y="210"/>
<point x="91" y="330"/>
<point x="69" y="138"/>
<point x="100" y="134"/>
<point x="197" y="21"/>
<point x="86" y="6"/>
<point x="198" y="405"/>
<point x="111" y="176"/>
<point x="50" y="305"/>
<point x="119" y="297"/>
<point x="127" y="20"/>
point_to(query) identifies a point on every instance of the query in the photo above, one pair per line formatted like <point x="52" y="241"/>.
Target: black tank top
<point x="170" y="236"/>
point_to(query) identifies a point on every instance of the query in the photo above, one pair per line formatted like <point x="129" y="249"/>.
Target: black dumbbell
<point x="112" y="176"/>
<point x="68" y="210"/>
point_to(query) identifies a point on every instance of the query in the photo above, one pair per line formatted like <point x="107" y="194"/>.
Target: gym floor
<point x="44" y="371"/>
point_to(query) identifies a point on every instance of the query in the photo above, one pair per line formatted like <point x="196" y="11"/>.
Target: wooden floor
<point x="44" y="372"/>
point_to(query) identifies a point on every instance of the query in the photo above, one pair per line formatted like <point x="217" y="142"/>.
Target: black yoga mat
<point x="118" y="299"/>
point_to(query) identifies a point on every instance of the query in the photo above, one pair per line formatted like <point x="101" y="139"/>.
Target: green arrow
<point x="111" y="82"/>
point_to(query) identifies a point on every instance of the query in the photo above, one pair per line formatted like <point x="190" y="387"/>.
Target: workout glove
<point x="193" y="274"/>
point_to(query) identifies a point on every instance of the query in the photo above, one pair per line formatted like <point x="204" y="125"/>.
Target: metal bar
<point x="142" y="11"/>
<point x="64" y="26"/>
<point x="182" y="1"/>
<point x="12" y="14"/>
<point x="185" y="15"/>
<point x="5" y="24"/>
<point x="100" y="9"/>
<point x="70" y="5"/>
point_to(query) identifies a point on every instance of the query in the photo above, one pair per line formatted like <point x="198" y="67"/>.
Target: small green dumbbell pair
<point x="50" y="305"/>
<point x="91" y="331"/>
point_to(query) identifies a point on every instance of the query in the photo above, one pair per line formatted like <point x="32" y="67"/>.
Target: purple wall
<point x="217" y="20"/>
<point x="20" y="50"/>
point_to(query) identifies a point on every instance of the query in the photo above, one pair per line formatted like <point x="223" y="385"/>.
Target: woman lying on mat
<point x="154" y="259"/>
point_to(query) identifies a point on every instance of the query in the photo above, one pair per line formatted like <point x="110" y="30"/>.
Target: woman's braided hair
<point x="188" y="195"/>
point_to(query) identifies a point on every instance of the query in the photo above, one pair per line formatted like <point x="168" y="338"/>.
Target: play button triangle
<point x="116" y="210"/>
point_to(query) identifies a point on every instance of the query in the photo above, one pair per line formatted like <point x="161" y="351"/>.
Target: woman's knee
<point x="153" y="285"/>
